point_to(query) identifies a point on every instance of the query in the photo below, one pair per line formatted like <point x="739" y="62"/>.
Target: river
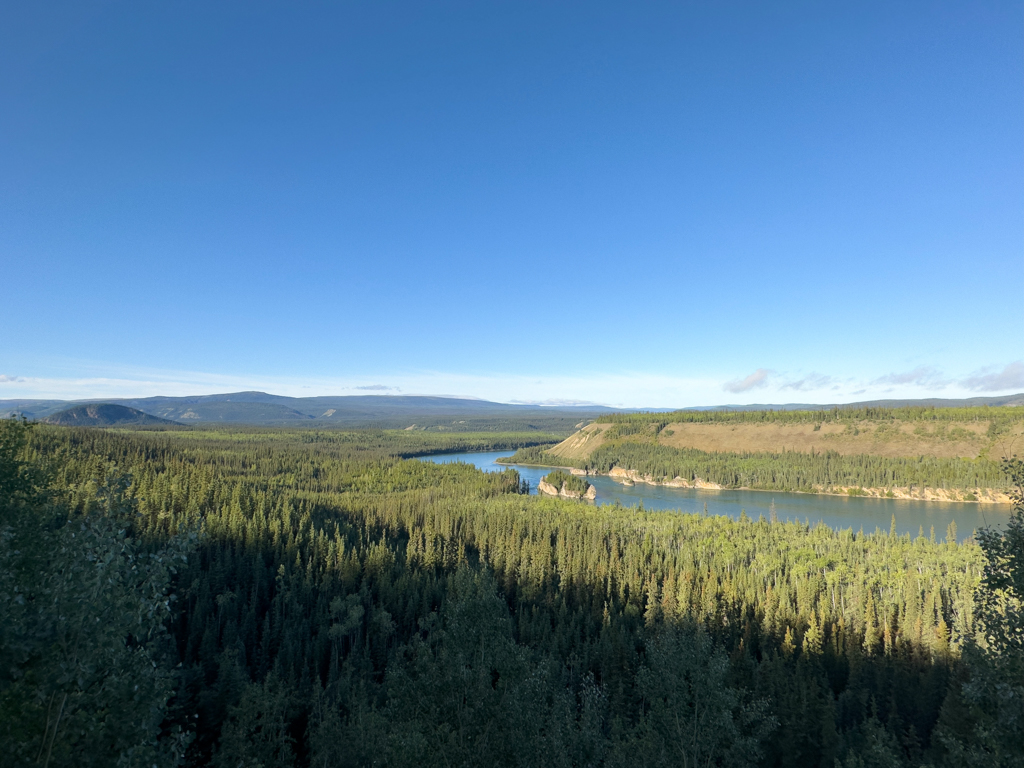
<point x="856" y="512"/>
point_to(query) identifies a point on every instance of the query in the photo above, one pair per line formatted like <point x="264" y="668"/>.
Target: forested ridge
<point x="999" y="416"/>
<point x="786" y="471"/>
<point x="294" y="599"/>
<point x="637" y="442"/>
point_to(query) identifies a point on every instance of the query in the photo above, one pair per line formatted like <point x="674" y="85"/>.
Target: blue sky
<point x="658" y="204"/>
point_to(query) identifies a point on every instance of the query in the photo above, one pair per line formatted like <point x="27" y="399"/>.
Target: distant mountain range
<point x="260" y="408"/>
<point x="386" y="411"/>
<point x="930" y="402"/>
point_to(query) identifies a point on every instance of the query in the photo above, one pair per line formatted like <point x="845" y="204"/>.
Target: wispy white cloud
<point x="922" y="376"/>
<point x="624" y="389"/>
<point x="627" y="389"/>
<point x="989" y="380"/>
<point x="554" y="402"/>
<point x="756" y="380"/>
<point x="810" y="382"/>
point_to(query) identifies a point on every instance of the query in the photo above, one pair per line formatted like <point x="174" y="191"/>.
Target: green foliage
<point x="984" y="723"/>
<point x="346" y="607"/>
<point x="691" y="713"/>
<point x="468" y="694"/>
<point x="19" y="481"/>
<point x="85" y="679"/>
<point x="788" y="471"/>
<point x="256" y="732"/>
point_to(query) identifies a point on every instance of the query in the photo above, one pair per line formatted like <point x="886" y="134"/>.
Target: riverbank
<point x="838" y="511"/>
<point x="629" y="477"/>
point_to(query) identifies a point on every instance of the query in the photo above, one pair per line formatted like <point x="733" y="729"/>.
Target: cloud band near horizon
<point x="633" y="389"/>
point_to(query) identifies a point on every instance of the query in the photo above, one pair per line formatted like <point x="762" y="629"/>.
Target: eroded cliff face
<point x="979" y="495"/>
<point x="547" y="488"/>
<point x="631" y="477"/>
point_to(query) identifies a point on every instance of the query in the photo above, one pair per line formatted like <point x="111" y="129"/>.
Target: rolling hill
<point x="379" y="411"/>
<point x="104" y="415"/>
<point x="889" y="437"/>
<point x="405" y="411"/>
<point x="917" y="430"/>
<point x="940" y="454"/>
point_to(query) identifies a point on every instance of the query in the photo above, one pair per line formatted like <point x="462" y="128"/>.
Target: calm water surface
<point x="836" y="511"/>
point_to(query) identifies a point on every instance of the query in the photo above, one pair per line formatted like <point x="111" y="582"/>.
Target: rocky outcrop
<point x="547" y="488"/>
<point x="550" y="490"/>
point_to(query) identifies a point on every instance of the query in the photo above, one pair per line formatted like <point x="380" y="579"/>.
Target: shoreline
<point x="628" y="477"/>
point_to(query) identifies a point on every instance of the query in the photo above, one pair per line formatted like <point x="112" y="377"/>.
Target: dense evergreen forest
<point x="275" y="598"/>
<point x="537" y="425"/>
<point x="787" y="471"/>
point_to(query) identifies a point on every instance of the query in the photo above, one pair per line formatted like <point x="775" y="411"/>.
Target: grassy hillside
<point x="948" y="454"/>
<point x="968" y="433"/>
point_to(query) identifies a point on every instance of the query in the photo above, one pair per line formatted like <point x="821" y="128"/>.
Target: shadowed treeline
<point x="341" y="606"/>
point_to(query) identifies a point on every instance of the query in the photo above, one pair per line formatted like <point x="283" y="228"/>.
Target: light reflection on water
<point x="855" y="512"/>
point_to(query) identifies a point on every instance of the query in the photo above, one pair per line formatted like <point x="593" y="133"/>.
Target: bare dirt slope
<point x="886" y="438"/>
<point x="582" y="443"/>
